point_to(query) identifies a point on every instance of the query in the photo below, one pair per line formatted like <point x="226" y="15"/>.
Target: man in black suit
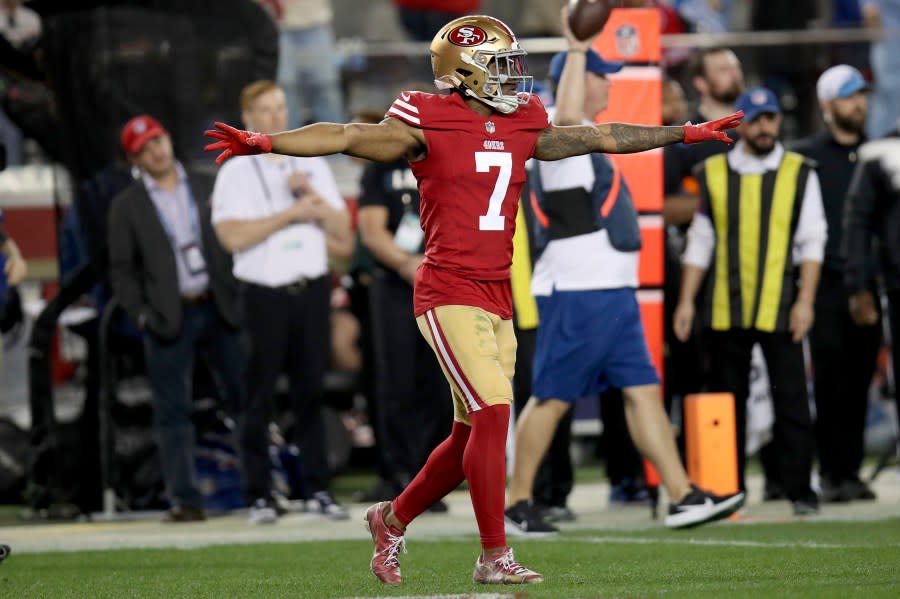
<point x="174" y="280"/>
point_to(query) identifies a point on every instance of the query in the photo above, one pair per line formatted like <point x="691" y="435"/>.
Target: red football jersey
<point x="469" y="184"/>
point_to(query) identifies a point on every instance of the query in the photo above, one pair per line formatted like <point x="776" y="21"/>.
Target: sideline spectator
<point x="873" y="213"/>
<point x="280" y="217"/>
<point x="750" y="300"/>
<point x="174" y="280"/>
<point x="841" y="377"/>
<point x="717" y="76"/>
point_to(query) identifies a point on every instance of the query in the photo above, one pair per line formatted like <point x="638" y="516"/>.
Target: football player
<point x="468" y="150"/>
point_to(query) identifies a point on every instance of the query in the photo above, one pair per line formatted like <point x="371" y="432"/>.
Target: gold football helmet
<point x="479" y="55"/>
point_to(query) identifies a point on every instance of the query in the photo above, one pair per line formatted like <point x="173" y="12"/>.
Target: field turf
<point x="790" y="559"/>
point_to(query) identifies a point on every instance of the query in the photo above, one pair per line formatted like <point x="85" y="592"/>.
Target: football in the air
<point x="587" y="17"/>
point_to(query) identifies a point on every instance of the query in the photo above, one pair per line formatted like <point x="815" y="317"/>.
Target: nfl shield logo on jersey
<point x="490" y="127"/>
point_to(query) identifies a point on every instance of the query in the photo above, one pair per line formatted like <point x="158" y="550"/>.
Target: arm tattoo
<point x="555" y="143"/>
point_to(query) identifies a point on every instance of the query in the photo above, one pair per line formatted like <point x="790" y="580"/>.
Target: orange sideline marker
<point x="710" y="442"/>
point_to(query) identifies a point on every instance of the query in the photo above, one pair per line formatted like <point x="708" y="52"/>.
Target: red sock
<point x="442" y="473"/>
<point x="484" y="463"/>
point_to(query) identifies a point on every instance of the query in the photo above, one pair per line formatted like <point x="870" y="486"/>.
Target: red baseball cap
<point x="139" y="131"/>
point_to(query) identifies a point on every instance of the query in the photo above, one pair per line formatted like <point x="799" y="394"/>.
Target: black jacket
<point x="873" y="211"/>
<point x="143" y="273"/>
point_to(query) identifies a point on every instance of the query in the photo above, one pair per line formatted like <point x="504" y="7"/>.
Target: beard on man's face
<point x="729" y="95"/>
<point x="853" y="122"/>
<point x="761" y="144"/>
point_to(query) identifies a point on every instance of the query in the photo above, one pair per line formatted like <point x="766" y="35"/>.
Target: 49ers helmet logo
<point x="467" y="35"/>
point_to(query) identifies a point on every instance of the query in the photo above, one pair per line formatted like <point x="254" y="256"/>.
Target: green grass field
<point x="796" y="559"/>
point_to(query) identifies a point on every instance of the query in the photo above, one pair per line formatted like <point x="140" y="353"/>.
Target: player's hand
<point x="862" y="308"/>
<point x="712" y="130"/>
<point x="236" y="142"/>
<point x="574" y="43"/>
<point x="800" y="320"/>
<point x="683" y="320"/>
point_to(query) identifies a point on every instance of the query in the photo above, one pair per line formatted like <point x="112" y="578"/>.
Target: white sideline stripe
<point x="721" y="543"/>
<point x="400" y="113"/>
<point x="407" y="106"/>
<point x="435" y="334"/>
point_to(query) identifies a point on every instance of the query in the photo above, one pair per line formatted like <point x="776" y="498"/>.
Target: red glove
<point x="235" y="142"/>
<point x="712" y="130"/>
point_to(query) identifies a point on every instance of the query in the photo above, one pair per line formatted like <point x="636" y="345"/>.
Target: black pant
<point x="554" y="478"/>
<point x="730" y="356"/>
<point x="414" y="409"/>
<point x="843" y="358"/>
<point x="290" y="331"/>
<point x="170" y="365"/>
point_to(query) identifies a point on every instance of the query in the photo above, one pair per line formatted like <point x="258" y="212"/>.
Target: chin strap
<point x="504" y="105"/>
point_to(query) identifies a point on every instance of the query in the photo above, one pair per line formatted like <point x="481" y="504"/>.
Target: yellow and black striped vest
<point x="753" y="281"/>
<point x="524" y="305"/>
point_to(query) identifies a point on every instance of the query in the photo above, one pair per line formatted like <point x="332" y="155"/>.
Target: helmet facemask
<point x="501" y="68"/>
<point x="479" y="55"/>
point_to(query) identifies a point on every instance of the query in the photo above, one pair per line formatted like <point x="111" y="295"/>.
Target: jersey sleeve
<point x="539" y="116"/>
<point x="407" y="108"/>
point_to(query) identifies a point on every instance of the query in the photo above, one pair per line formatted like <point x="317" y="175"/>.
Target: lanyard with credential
<point x="262" y="180"/>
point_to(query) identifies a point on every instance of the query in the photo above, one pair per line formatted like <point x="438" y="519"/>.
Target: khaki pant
<point x="477" y="352"/>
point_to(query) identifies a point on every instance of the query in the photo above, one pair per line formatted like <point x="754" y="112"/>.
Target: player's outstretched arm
<point x="384" y="142"/>
<point x="556" y="143"/>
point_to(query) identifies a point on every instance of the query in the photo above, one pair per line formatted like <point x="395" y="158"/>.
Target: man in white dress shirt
<point x="281" y="217"/>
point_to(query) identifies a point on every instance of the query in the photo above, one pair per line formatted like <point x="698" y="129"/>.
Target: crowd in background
<point x="276" y="293"/>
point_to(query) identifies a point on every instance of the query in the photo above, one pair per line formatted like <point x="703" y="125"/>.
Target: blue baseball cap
<point x="595" y="64"/>
<point x="757" y="101"/>
<point x="840" y="81"/>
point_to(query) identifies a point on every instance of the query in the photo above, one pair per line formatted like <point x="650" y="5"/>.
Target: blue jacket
<point x="567" y="212"/>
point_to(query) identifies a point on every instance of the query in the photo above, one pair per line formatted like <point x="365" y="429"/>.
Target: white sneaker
<point x="503" y="569"/>
<point x="262" y="512"/>
<point x="699" y="507"/>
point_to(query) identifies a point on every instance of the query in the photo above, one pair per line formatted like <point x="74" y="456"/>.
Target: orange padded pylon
<point x="710" y="442"/>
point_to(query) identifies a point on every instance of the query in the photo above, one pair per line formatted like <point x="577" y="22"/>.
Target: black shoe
<point x="522" y="518"/>
<point x="806" y="507"/>
<point x="4" y="552"/>
<point x="833" y="492"/>
<point x="774" y="492"/>
<point x="855" y="489"/>
<point x="184" y="513"/>
<point x="699" y="507"/>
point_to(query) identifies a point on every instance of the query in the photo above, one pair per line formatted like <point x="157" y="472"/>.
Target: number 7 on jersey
<point x="484" y="162"/>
